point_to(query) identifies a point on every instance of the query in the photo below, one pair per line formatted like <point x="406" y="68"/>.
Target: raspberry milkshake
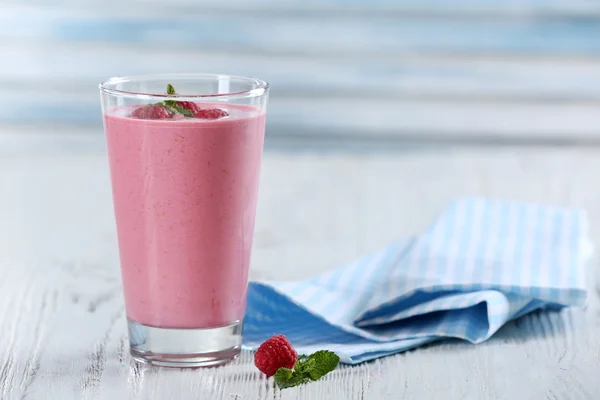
<point x="185" y="180"/>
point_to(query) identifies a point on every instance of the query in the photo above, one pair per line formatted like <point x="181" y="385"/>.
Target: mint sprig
<point x="307" y="368"/>
<point x="172" y="105"/>
<point x="170" y="89"/>
<point x="175" y="108"/>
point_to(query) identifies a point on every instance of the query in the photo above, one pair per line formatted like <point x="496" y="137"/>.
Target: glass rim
<point x="261" y="88"/>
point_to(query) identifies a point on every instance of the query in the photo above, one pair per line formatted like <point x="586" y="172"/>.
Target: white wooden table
<point x="62" y="323"/>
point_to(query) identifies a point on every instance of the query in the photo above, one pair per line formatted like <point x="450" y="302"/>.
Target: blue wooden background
<point x="430" y="69"/>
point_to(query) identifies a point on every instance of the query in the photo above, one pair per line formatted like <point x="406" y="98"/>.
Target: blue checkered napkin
<point x="481" y="264"/>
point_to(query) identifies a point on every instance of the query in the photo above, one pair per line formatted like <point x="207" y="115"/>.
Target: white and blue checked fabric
<point x="481" y="264"/>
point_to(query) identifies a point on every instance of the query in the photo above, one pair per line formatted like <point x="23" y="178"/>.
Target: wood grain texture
<point x="343" y="117"/>
<point x="292" y="32"/>
<point x="390" y="65"/>
<point x="62" y="327"/>
<point x="419" y="75"/>
<point x="518" y="8"/>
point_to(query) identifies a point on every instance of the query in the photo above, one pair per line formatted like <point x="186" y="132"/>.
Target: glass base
<point x="184" y="348"/>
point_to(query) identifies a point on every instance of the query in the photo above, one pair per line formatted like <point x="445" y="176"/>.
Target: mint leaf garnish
<point x="313" y="368"/>
<point x="171" y="89"/>
<point x="323" y="363"/>
<point x="173" y="106"/>
<point x="285" y="378"/>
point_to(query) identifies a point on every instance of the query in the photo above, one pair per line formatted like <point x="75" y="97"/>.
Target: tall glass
<point x="184" y="153"/>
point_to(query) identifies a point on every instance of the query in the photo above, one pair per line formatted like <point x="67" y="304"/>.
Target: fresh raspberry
<point x="189" y="105"/>
<point x="151" y="112"/>
<point x="211" y="113"/>
<point x="274" y="353"/>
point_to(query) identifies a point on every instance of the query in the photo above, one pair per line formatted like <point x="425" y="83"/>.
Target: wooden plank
<point x="435" y="119"/>
<point x="62" y="325"/>
<point x="37" y="69"/>
<point x="461" y="8"/>
<point x="315" y="34"/>
<point x="342" y="117"/>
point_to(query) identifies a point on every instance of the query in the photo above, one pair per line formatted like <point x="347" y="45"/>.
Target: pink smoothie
<point x="185" y="199"/>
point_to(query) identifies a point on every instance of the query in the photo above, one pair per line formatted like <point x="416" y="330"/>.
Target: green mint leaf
<point x="302" y="364"/>
<point x="313" y="367"/>
<point x="185" y="111"/>
<point x="283" y="374"/>
<point x="321" y="363"/>
<point x="171" y="89"/>
<point x="173" y="105"/>
<point x="176" y="108"/>
<point x="286" y="378"/>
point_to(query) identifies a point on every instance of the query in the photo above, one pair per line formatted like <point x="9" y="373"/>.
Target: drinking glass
<point x="184" y="153"/>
